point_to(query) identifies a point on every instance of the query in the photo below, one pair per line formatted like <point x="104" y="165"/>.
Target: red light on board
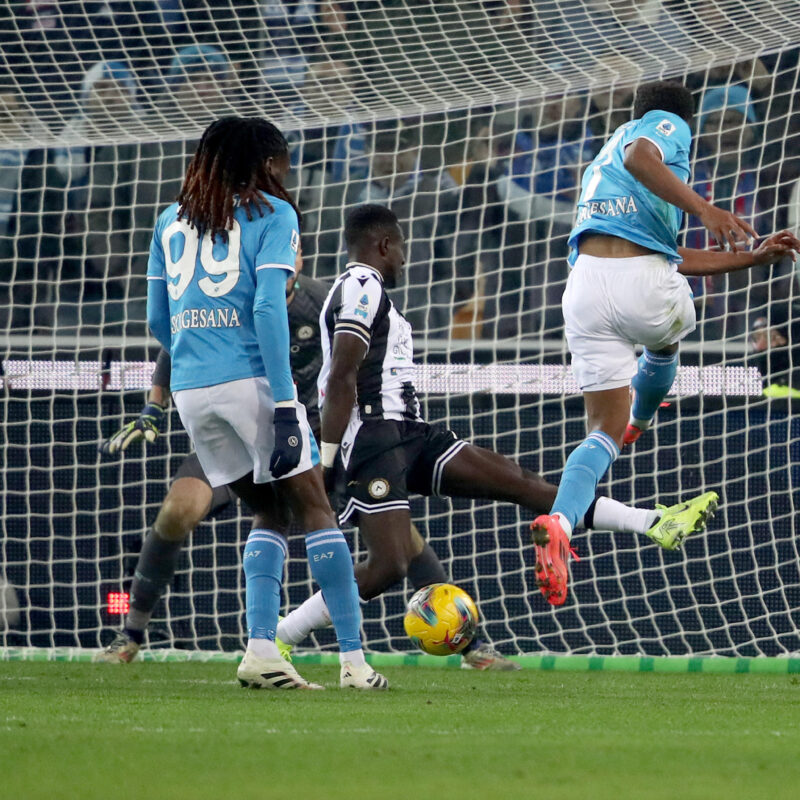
<point x="118" y="602"/>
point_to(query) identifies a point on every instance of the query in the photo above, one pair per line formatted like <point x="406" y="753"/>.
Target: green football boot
<point x="284" y="649"/>
<point x="679" y="521"/>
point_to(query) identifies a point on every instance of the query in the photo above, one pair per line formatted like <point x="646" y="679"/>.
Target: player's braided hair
<point x="664" y="96"/>
<point x="229" y="168"/>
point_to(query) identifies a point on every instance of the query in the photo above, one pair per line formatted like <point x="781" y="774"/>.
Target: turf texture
<point x="189" y="732"/>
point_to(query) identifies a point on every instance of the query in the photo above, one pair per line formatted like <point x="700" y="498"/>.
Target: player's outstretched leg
<point x="482" y="474"/>
<point x="653" y="379"/>
<point x="186" y="504"/>
<point x="479" y="473"/>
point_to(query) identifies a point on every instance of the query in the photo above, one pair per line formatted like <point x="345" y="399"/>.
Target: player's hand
<point x="146" y="426"/>
<point x="727" y="229"/>
<point x="776" y="247"/>
<point x="288" y="443"/>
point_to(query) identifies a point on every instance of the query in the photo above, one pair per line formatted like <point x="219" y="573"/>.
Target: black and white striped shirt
<point x="358" y="305"/>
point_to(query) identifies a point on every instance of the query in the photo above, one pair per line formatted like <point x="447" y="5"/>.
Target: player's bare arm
<point x="643" y="161"/>
<point x="717" y="262"/>
<point x="340" y="396"/>
<point x="158" y="394"/>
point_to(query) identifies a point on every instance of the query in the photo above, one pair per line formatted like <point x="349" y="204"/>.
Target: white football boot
<point x="363" y="677"/>
<point x="270" y="673"/>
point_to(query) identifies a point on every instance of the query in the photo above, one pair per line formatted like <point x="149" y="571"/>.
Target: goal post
<point x="473" y="121"/>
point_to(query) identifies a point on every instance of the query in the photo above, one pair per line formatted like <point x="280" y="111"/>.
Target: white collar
<point x="352" y="264"/>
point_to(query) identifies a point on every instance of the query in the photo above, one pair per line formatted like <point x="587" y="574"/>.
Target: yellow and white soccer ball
<point x="441" y="619"/>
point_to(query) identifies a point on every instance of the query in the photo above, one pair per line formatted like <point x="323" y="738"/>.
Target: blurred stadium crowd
<point x="487" y="194"/>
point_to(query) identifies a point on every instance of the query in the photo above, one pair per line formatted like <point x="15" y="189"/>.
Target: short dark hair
<point x="370" y="219"/>
<point x="664" y="96"/>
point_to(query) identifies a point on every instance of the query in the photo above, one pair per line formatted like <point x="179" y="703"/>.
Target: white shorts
<point x="612" y="304"/>
<point x="231" y="427"/>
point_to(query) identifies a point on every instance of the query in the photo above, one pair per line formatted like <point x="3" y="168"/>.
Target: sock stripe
<point x="266" y="532"/>
<point x="335" y="533"/>
<point x="280" y="547"/>
<point x="606" y="442"/>
<point x="332" y="540"/>
<point x="261" y="535"/>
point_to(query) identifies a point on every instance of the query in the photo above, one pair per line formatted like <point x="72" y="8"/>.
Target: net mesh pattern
<point x="473" y="121"/>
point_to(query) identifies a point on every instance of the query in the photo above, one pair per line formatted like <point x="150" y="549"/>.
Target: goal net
<point x="473" y="121"/>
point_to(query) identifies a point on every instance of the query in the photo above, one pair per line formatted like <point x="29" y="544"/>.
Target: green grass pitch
<point x="188" y="731"/>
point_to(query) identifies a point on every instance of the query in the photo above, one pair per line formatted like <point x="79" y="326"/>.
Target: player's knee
<point x="611" y="424"/>
<point x="396" y="565"/>
<point x="616" y="432"/>
<point x="181" y="512"/>
<point x="316" y="515"/>
<point x="277" y="519"/>
<point x="533" y="478"/>
<point x="517" y="478"/>
<point x="516" y="481"/>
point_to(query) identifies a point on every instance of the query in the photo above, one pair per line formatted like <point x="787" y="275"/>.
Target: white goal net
<point x="473" y="121"/>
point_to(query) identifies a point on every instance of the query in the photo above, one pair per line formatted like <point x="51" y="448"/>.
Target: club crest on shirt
<point x="378" y="488"/>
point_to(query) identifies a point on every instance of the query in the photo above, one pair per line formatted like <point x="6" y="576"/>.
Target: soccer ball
<point x="441" y="619"/>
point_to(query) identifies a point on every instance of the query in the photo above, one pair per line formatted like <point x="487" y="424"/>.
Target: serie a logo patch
<point x="666" y="127"/>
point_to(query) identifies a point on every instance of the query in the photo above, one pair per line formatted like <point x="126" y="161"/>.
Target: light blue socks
<point x="586" y="464"/>
<point x="263" y="559"/>
<point x="332" y="567"/>
<point x="651" y="383"/>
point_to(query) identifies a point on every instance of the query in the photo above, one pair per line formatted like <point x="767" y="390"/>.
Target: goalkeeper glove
<point x="288" y="442"/>
<point x="145" y="426"/>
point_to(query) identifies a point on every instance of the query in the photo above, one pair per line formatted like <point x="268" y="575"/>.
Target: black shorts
<point x="392" y="459"/>
<point x="221" y="496"/>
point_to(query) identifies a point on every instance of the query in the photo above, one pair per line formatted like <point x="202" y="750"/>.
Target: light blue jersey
<point x="613" y="202"/>
<point x="202" y="295"/>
